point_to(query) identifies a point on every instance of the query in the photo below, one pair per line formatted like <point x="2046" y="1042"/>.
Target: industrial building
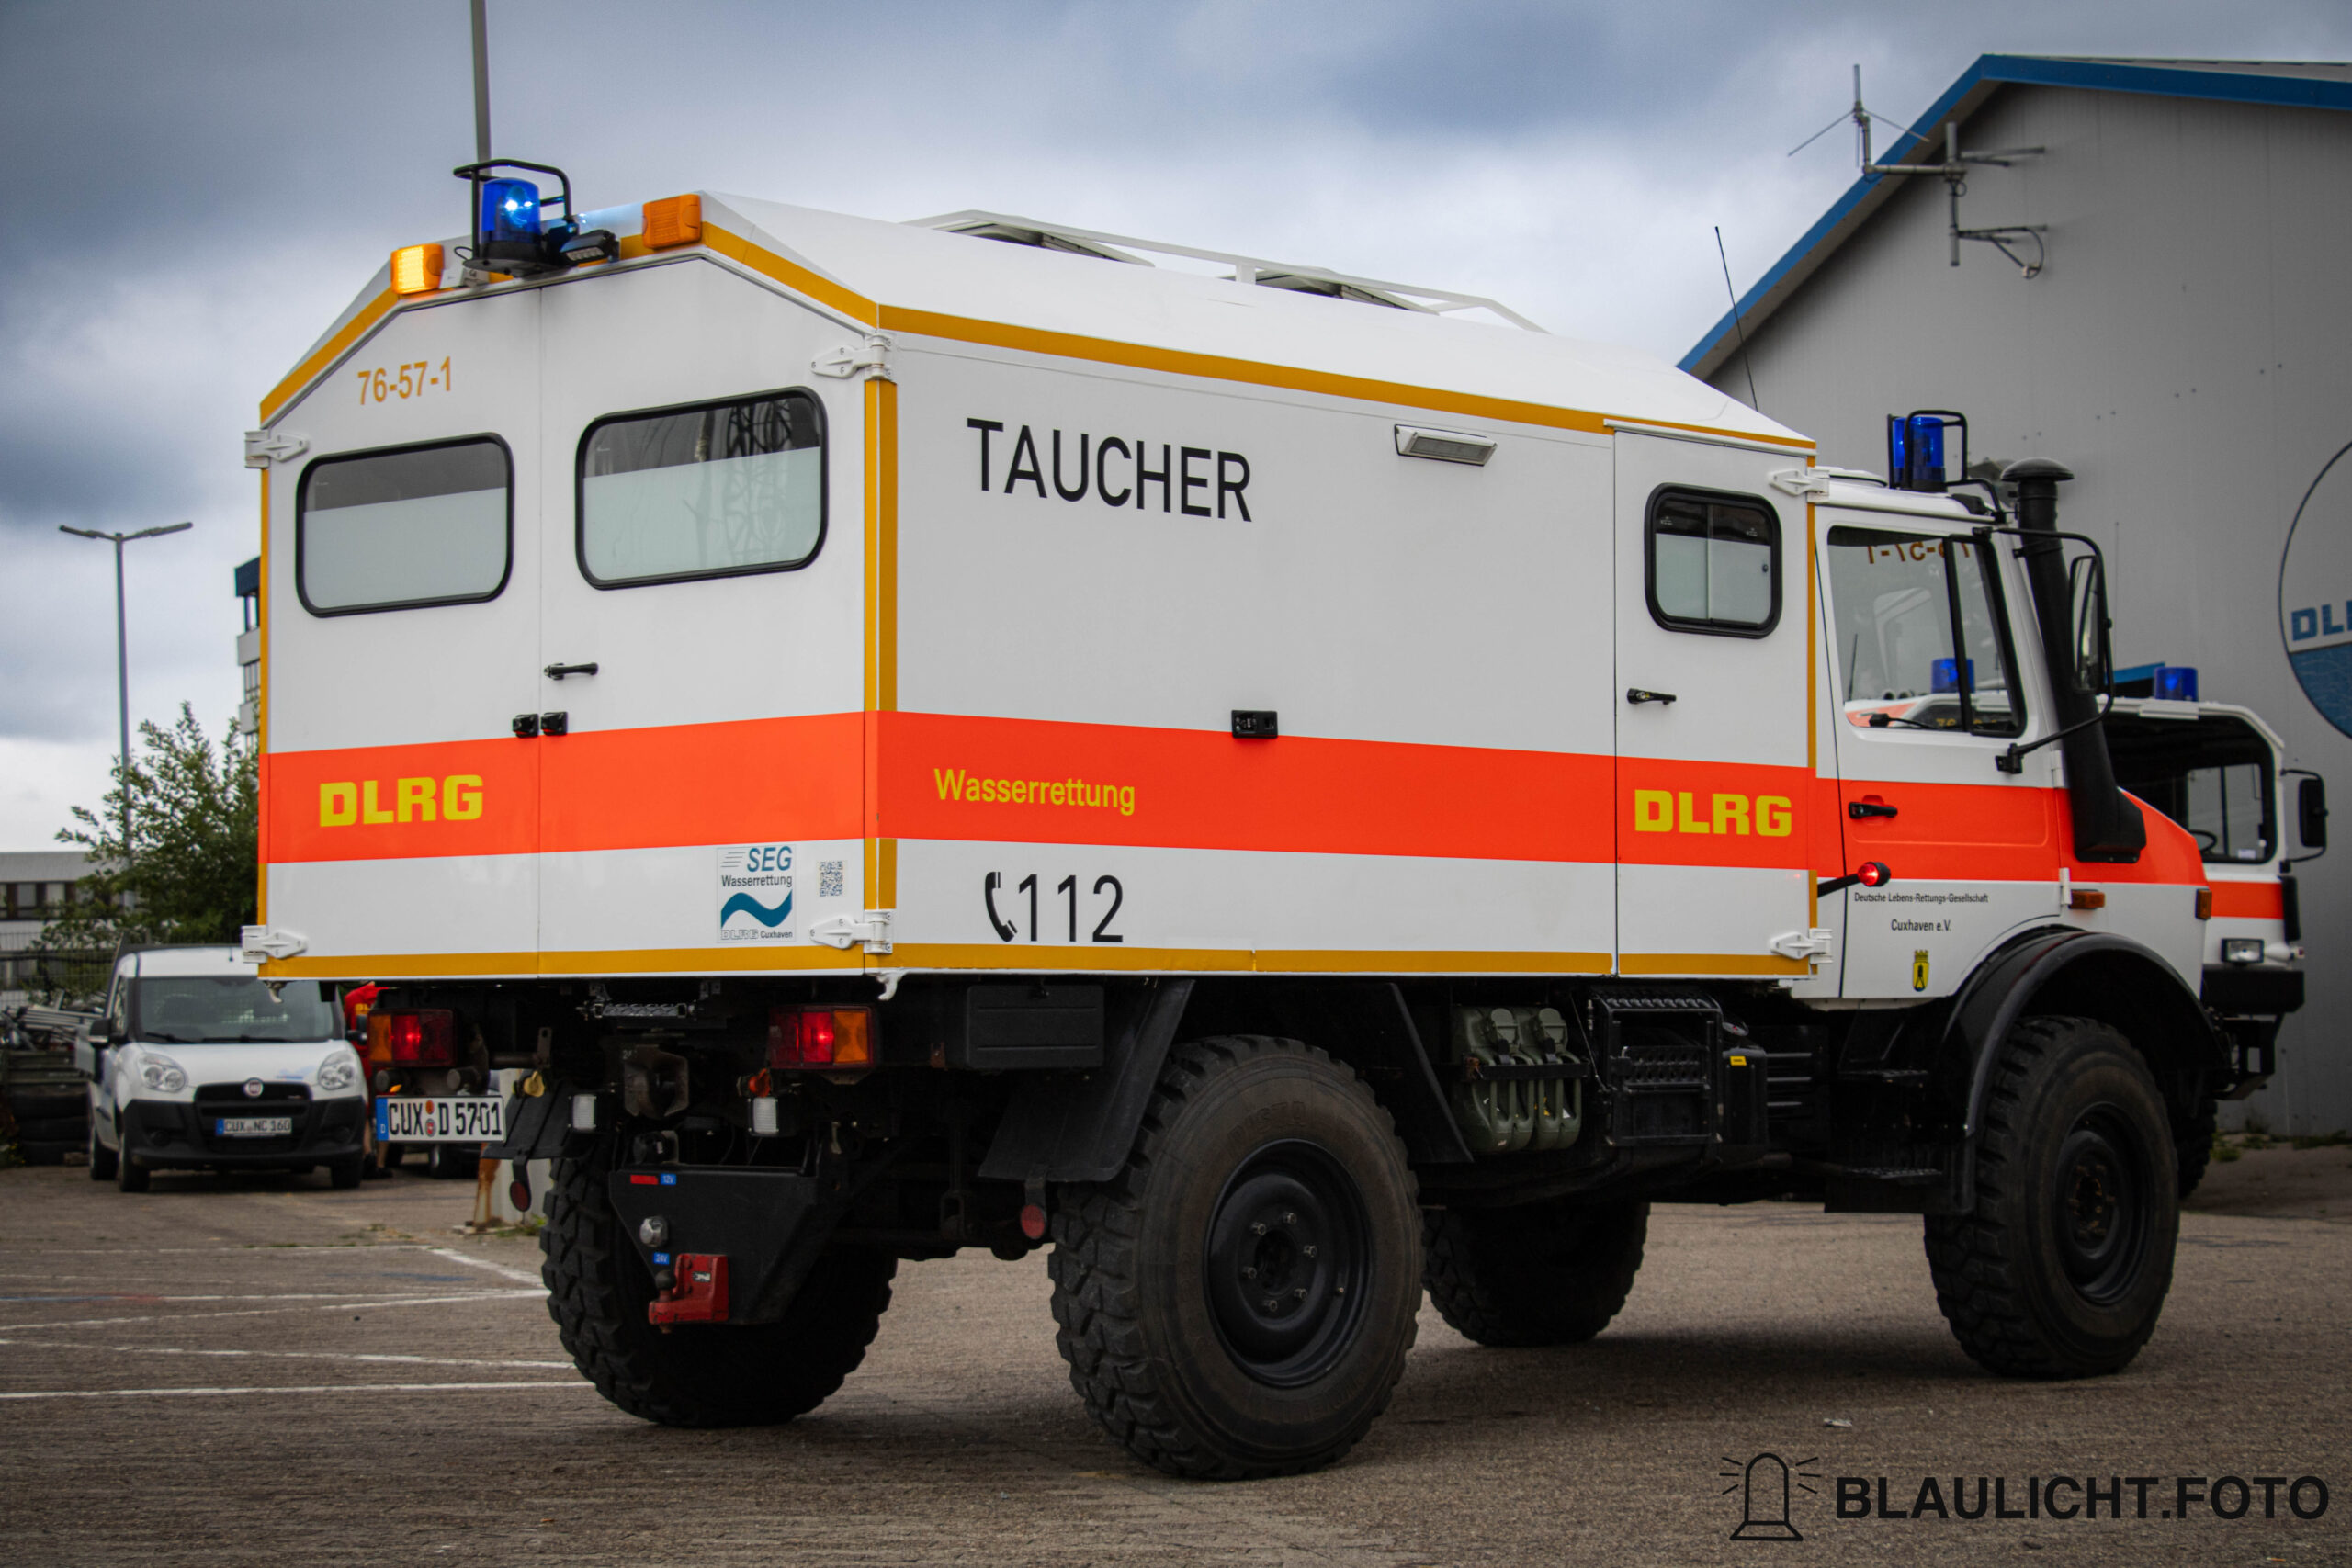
<point x="2140" y="274"/>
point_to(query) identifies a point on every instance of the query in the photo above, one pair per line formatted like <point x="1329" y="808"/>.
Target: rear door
<point x="400" y="636"/>
<point x="1930" y="695"/>
<point x="703" y="644"/>
<point x="1713" y="774"/>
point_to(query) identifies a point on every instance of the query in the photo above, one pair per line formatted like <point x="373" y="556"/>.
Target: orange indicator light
<point x="416" y="269"/>
<point x="674" y="220"/>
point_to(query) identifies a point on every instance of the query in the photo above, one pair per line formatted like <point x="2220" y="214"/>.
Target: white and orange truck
<point x="1283" y="786"/>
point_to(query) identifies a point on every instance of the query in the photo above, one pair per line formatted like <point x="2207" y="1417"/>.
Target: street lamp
<point x="122" y="647"/>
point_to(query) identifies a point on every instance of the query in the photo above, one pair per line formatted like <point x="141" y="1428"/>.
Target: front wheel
<point x="102" y="1158"/>
<point x="1239" y="1299"/>
<point x="2062" y="1268"/>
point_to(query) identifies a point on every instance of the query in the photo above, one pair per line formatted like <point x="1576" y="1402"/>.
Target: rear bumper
<point x="162" y="1136"/>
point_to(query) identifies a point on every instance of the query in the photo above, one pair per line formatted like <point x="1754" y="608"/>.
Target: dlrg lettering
<point x="1672" y="811"/>
<point x="456" y="799"/>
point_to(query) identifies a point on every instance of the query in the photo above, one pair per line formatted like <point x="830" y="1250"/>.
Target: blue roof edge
<point x="2163" y="81"/>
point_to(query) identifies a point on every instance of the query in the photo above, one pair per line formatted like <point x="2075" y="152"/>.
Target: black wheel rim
<point x="2100" y="1202"/>
<point x="1287" y="1263"/>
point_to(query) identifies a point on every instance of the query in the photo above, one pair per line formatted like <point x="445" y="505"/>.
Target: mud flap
<point x="769" y="1226"/>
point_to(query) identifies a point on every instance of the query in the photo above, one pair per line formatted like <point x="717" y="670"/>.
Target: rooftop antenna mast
<point x="1954" y="169"/>
<point x="481" y="81"/>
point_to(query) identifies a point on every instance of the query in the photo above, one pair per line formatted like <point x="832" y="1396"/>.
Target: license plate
<point x="253" y="1127"/>
<point x="472" y="1120"/>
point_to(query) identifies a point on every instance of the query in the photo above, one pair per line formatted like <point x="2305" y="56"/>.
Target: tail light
<point x="425" y="1039"/>
<point x="821" y="1037"/>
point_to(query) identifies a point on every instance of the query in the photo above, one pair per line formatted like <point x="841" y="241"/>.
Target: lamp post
<point x="122" y="647"/>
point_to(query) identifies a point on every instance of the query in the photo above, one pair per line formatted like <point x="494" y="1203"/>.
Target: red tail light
<point x="821" y="1037"/>
<point x="427" y="1039"/>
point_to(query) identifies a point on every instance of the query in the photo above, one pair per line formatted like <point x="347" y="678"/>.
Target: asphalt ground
<point x="262" y="1370"/>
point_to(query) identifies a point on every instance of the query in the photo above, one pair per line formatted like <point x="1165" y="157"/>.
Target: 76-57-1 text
<point x="381" y="384"/>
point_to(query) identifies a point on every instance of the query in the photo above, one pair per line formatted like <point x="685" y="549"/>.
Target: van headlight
<point x="340" y="1072"/>
<point x="162" y="1074"/>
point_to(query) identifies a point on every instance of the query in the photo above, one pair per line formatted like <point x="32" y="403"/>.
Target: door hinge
<point x="1816" y="943"/>
<point x="1810" y="483"/>
<point x="872" y="928"/>
<point x="260" y="944"/>
<point x="853" y="359"/>
<point x="264" y="447"/>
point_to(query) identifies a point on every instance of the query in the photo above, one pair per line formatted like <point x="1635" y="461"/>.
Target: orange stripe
<point x="792" y="274"/>
<point x="695" y="784"/>
<point x="2249" y="901"/>
<point x="1200" y="789"/>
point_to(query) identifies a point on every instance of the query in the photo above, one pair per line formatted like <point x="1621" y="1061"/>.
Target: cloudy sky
<point x="192" y="191"/>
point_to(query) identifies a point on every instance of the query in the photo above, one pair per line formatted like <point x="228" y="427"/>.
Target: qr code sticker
<point x="829" y="878"/>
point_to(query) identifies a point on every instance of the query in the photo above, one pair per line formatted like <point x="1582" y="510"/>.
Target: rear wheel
<point x="1539" y="1274"/>
<point x="1239" y="1299"/>
<point x="2062" y="1269"/>
<point x="707" y="1375"/>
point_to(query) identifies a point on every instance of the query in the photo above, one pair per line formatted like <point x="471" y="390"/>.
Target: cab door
<point x="703" y="634"/>
<point x="1924" y="624"/>
<point x="1713" y="765"/>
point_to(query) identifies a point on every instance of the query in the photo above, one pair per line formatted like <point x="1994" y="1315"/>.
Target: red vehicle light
<point x="425" y="1039"/>
<point x="821" y="1037"/>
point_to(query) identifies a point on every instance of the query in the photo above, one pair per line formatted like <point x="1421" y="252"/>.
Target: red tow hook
<point x="698" y="1293"/>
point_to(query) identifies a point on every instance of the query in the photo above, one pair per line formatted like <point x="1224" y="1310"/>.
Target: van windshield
<point x="204" y="1009"/>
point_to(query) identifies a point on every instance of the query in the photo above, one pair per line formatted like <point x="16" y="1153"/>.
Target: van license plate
<point x="472" y="1120"/>
<point x="252" y="1126"/>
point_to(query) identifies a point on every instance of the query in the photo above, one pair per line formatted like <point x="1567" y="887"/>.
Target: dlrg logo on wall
<point x="2315" y="592"/>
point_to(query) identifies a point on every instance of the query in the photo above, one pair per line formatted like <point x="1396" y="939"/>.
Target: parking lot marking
<point x="299" y="1355"/>
<point x="454" y="1255"/>
<point x="274" y="1311"/>
<point x="345" y="1388"/>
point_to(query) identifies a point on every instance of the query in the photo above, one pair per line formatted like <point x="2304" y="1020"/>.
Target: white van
<point x="199" y="1063"/>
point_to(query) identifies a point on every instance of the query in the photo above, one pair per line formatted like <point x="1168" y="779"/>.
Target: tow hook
<point x="697" y="1291"/>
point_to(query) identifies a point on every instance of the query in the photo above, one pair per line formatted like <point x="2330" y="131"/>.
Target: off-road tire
<point x="2075" y="1177"/>
<point x="1172" y="1358"/>
<point x="1537" y="1274"/>
<point x="2196" y="1144"/>
<point x="102" y="1158"/>
<point x="704" y="1375"/>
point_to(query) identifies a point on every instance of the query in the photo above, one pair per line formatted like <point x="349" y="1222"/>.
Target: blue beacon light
<point x="510" y="212"/>
<point x="2176" y="682"/>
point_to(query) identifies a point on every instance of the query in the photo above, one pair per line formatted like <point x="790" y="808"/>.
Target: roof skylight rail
<point x="1245" y="269"/>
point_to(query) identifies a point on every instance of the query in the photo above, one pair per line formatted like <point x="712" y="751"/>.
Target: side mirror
<point x="2093" y="661"/>
<point x="2311" y="812"/>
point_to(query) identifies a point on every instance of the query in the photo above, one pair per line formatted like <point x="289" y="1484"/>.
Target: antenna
<point x="481" y="81"/>
<point x="1737" y="325"/>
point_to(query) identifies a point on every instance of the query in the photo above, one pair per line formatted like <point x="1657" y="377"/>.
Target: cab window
<point x="1922" y="643"/>
<point x="404" y="527"/>
<point x="1714" y="563"/>
<point x="709" y="490"/>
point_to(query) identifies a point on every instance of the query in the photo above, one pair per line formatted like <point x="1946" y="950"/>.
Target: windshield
<point x="203" y="1010"/>
<point x="2211" y="774"/>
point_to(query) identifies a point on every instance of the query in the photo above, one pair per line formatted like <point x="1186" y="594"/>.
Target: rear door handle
<point x="558" y="672"/>
<point x="1637" y="696"/>
<point x="1861" y="810"/>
